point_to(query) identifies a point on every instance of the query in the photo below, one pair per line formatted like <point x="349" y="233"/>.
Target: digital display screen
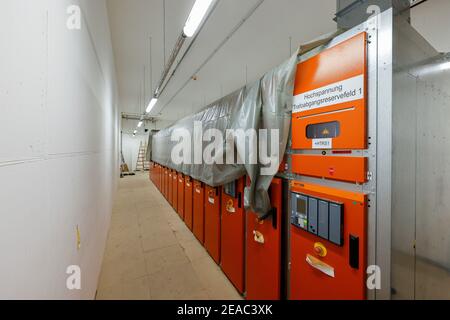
<point x="230" y="189"/>
<point x="301" y="205"/>
<point x="323" y="130"/>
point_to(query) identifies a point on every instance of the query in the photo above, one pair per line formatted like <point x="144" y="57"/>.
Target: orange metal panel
<point x="233" y="236"/>
<point x="212" y="222"/>
<point x="342" y="62"/>
<point x="159" y="177"/>
<point x="180" y="198"/>
<point x="175" y="190"/>
<point x="307" y="282"/>
<point x="170" y="188"/>
<point x="199" y="211"/>
<point x="168" y="179"/>
<point x="166" y="182"/>
<point x="188" y="197"/>
<point x="153" y="169"/>
<point x="163" y="181"/>
<point x="351" y="169"/>
<point x="263" y="263"/>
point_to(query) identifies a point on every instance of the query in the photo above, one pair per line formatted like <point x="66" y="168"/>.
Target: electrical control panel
<point x="328" y="232"/>
<point x="320" y="217"/>
<point x="328" y="242"/>
<point x="230" y="189"/>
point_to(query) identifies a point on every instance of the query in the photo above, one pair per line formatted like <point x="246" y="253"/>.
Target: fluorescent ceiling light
<point x="196" y="16"/>
<point x="135" y="131"/>
<point x="151" y="105"/>
<point x="140" y="124"/>
<point x="445" y="66"/>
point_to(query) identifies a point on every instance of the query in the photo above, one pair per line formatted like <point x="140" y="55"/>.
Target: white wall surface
<point x="130" y="147"/>
<point x="58" y="146"/>
<point x="432" y="20"/>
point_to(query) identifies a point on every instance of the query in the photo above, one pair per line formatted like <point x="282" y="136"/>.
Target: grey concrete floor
<point x="152" y="255"/>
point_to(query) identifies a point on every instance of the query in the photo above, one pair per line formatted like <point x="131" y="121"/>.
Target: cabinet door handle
<point x="354" y="252"/>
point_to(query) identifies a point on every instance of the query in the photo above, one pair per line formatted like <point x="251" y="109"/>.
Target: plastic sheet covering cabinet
<point x="264" y="104"/>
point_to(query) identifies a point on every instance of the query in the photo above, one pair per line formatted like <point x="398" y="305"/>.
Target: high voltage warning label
<point x="340" y="92"/>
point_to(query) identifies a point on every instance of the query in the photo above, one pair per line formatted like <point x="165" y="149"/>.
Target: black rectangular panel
<point x="312" y="215"/>
<point x="323" y="130"/>
<point x="336" y="220"/>
<point x="354" y="252"/>
<point x="230" y="189"/>
<point x="323" y="220"/>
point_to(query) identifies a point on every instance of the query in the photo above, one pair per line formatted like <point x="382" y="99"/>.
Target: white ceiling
<point x="265" y="40"/>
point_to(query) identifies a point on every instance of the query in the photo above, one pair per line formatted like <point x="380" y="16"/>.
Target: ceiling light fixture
<point x="151" y="105"/>
<point x="140" y="124"/>
<point x="196" y="17"/>
<point x="445" y="66"/>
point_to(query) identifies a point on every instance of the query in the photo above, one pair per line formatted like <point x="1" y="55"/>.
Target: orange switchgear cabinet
<point x="168" y="180"/>
<point x="165" y="182"/>
<point x="175" y="190"/>
<point x="328" y="249"/>
<point x="170" y="188"/>
<point x="188" y="207"/>
<point x="160" y="178"/>
<point x="329" y="109"/>
<point x="212" y="222"/>
<point x="233" y="233"/>
<point x="263" y="263"/>
<point x="199" y="211"/>
<point x="157" y="177"/>
<point x="180" y="193"/>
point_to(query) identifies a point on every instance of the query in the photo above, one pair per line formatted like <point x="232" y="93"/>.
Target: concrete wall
<point x="58" y="146"/>
<point x="431" y="19"/>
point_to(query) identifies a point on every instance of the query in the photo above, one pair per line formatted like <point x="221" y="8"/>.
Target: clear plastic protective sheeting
<point x="263" y="107"/>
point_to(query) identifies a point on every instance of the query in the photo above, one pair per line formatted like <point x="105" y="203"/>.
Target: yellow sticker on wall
<point x="78" y="238"/>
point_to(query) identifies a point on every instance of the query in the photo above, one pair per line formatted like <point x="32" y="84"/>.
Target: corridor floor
<point x="151" y="254"/>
